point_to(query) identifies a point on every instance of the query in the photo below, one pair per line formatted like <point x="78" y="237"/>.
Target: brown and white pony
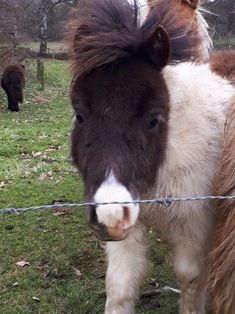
<point x="146" y="125"/>
<point x="221" y="277"/>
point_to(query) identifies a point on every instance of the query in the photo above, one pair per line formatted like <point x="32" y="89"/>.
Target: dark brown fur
<point x="124" y="88"/>
<point x="223" y="63"/>
<point x="221" y="279"/>
<point x="13" y="82"/>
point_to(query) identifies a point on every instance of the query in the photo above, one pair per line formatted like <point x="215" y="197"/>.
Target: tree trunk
<point x="43" y="37"/>
<point x="41" y="73"/>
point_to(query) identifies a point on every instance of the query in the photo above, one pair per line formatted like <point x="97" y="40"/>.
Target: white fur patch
<point x="109" y="191"/>
<point x="127" y="264"/>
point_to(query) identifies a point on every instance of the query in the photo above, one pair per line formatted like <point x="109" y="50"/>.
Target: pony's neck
<point x="199" y="100"/>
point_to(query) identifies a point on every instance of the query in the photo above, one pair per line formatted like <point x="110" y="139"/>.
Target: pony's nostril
<point x="126" y="215"/>
<point x="91" y="215"/>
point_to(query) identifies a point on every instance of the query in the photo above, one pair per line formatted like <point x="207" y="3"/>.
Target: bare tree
<point x="45" y="8"/>
<point x="222" y="19"/>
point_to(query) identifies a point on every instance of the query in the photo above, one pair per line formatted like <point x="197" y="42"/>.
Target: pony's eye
<point x="79" y="118"/>
<point x="153" y="121"/>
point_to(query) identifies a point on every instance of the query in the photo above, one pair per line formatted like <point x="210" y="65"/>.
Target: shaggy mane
<point x="109" y="30"/>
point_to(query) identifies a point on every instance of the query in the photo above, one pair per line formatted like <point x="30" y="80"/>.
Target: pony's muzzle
<point x="109" y="232"/>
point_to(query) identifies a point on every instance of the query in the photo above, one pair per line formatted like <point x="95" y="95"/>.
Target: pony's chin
<point x="111" y="233"/>
<point x="118" y="233"/>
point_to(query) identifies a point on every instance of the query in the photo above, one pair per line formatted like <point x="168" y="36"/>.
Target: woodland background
<point x="29" y="21"/>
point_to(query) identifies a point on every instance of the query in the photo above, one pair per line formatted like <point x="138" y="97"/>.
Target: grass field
<point x="66" y="262"/>
<point x="52" y="46"/>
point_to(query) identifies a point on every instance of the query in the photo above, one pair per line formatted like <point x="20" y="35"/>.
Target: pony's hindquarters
<point x="221" y="278"/>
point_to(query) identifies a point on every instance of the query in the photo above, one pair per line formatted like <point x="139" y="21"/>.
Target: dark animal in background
<point x="13" y="82"/>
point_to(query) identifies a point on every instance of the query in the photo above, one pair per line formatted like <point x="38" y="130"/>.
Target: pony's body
<point x="146" y="128"/>
<point x="195" y="140"/>
<point x="196" y="126"/>
<point x="221" y="278"/>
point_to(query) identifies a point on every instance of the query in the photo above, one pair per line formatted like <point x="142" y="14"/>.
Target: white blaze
<point x="110" y="191"/>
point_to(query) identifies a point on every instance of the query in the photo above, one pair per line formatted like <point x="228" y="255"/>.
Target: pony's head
<point x="121" y="105"/>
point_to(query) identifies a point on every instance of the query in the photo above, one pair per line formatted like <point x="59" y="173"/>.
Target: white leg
<point x="190" y="270"/>
<point x="127" y="264"/>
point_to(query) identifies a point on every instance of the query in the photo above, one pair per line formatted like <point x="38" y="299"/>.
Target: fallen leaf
<point x="48" y="160"/>
<point x="36" y="154"/>
<point x="62" y="211"/>
<point x="2" y="184"/>
<point x="18" y="171"/>
<point x="27" y="174"/>
<point x="53" y="148"/>
<point x="36" y="299"/>
<point x="15" y="284"/>
<point x="44" y="176"/>
<point x="22" y="263"/>
<point x="77" y="273"/>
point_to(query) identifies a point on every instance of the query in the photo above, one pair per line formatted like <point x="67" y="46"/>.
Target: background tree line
<point x="43" y="21"/>
<point x="221" y="18"/>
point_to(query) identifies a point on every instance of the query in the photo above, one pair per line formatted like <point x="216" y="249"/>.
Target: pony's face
<point x="119" y="139"/>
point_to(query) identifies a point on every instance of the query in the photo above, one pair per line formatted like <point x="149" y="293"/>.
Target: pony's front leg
<point x="190" y="270"/>
<point x="127" y="264"/>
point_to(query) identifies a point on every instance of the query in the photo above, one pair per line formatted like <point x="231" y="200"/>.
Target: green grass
<point x="35" y="169"/>
<point x="52" y="46"/>
<point x="221" y="42"/>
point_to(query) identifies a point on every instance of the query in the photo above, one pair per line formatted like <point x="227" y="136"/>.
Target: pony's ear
<point x="156" y="48"/>
<point x="193" y="3"/>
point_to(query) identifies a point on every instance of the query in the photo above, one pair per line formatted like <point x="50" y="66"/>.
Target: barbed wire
<point x="163" y="201"/>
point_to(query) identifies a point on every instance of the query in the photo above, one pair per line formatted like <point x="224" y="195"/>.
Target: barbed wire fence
<point x="162" y="201"/>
